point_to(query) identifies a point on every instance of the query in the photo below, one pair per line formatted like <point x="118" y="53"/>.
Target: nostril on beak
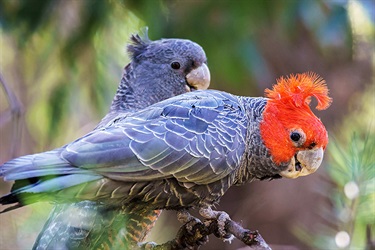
<point x="298" y="166"/>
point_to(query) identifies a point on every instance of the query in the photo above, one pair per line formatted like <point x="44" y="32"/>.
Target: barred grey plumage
<point x="191" y="146"/>
<point x="146" y="80"/>
<point x="183" y="152"/>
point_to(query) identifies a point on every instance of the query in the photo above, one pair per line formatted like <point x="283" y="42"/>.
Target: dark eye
<point x="175" y="65"/>
<point x="295" y="136"/>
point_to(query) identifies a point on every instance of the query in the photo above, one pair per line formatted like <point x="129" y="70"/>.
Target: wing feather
<point x="196" y="138"/>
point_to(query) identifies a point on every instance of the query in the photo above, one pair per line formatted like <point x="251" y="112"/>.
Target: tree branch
<point x="15" y="112"/>
<point x="194" y="234"/>
<point x="250" y="238"/>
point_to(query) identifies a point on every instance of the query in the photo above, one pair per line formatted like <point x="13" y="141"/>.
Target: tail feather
<point x="38" y="176"/>
<point x="8" y="199"/>
<point x="59" y="183"/>
<point x="15" y="206"/>
<point x="43" y="164"/>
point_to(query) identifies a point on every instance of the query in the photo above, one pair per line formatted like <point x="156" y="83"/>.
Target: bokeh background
<point x="61" y="60"/>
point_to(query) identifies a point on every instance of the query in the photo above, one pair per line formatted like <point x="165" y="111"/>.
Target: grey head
<point x="159" y="70"/>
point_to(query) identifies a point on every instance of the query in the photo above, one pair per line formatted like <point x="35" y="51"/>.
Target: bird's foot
<point x="147" y="245"/>
<point x="188" y="220"/>
<point x="184" y="216"/>
<point x="222" y="218"/>
<point x="193" y="228"/>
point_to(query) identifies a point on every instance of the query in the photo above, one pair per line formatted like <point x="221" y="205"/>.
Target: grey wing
<point x="198" y="140"/>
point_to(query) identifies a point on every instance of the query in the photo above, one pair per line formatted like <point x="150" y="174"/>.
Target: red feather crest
<point x="299" y="89"/>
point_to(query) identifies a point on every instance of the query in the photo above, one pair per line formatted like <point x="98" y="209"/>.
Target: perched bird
<point x="158" y="70"/>
<point x="184" y="152"/>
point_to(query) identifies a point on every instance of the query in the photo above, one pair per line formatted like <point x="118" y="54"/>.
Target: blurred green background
<point x="61" y="61"/>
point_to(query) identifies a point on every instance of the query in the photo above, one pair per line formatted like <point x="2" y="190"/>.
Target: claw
<point x="228" y="238"/>
<point x="221" y="218"/>
<point x="184" y="216"/>
<point x="193" y="228"/>
<point x="147" y="245"/>
<point x="190" y="221"/>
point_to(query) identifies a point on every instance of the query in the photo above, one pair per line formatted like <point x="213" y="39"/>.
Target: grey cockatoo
<point x="184" y="152"/>
<point x="158" y="70"/>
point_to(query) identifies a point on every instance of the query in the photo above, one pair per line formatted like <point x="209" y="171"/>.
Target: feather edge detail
<point x="299" y="88"/>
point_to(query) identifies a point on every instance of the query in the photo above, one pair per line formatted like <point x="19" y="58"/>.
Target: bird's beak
<point x="199" y="78"/>
<point x="304" y="163"/>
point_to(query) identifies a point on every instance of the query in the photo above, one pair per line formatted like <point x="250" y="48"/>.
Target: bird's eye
<point x="295" y="136"/>
<point x="175" y="65"/>
<point x="298" y="137"/>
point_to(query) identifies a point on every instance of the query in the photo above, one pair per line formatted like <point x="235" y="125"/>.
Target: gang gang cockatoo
<point x="184" y="152"/>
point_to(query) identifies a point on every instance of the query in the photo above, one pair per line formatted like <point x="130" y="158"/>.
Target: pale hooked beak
<point x="199" y="78"/>
<point x="304" y="163"/>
